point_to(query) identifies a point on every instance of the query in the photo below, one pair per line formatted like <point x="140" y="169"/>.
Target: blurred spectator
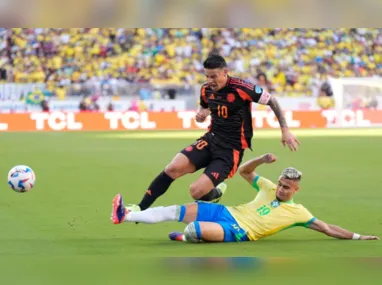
<point x="171" y="94"/>
<point x="142" y="106"/>
<point x="325" y="102"/>
<point x="110" y="107"/>
<point x="371" y="102"/>
<point x="263" y="82"/>
<point x="45" y="106"/>
<point x="85" y="104"/>
<point x="157" y="94"/>
<point x="288" y="61"/>
<point x="94" y="105"/>
<point x="144" y="93"/>
<point x="60" y="92"/>
<point x="325" y="99"/>
<point x="134" y="105"/>
<point x="326" y="90"/>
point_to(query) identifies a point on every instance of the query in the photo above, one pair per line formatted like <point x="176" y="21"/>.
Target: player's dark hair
<point x="214" y="61"/>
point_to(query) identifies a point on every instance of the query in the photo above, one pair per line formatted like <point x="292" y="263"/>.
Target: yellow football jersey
<point x="265" y="215"/>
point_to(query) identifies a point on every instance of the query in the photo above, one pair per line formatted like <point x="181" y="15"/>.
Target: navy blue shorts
<point x="217" y="213"/>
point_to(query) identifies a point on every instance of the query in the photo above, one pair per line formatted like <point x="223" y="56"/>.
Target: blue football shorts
<point x="217" y="213"/>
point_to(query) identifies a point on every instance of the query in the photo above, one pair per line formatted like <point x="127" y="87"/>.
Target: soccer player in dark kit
<point x="220" y="150"/>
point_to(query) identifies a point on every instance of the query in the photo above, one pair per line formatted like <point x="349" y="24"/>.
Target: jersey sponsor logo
<point x="230" y="97"/>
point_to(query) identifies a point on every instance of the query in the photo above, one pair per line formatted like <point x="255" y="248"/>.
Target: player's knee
<point x="197" y="191"/>
<point x="178" y="168"/>
<point x="192" y="232"/>
<point x="174" y="170"/>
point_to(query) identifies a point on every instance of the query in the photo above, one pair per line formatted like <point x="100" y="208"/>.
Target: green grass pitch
<point x="65" y="219"/>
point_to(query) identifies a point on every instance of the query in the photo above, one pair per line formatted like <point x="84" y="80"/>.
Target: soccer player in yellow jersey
<point x="271" y="211"/>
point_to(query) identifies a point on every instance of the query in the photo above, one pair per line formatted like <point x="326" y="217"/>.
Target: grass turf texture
<point x="64" y="220"/>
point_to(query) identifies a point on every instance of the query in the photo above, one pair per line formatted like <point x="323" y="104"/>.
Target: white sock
<point x="155" y="215"/>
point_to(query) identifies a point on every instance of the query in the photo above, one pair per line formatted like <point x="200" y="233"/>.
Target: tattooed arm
<point x="287" y="137"/>
<point x="254" y="93"/>
<point x="275" y="106"/>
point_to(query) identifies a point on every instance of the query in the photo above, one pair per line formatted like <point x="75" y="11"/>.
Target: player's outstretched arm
<point x="276" y="108"/>
<point x="202" y="114"/>
<point x="338" y="232"/>
<point x="287" y="137"/>
<point x="247" y="169"/>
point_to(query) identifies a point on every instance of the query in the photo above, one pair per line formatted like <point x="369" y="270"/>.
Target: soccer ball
<point x="21" y="178"/>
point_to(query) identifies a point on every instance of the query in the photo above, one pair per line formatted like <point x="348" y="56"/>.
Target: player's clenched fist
<point x="269" y="158"/>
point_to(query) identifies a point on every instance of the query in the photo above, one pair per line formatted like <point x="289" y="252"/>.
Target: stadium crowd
<point x="285" y="61"/>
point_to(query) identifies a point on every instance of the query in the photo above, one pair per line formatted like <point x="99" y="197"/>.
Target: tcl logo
<point x="347" y="118"/>
<point x="129" y="120"/>
<point x="261" y="119"/>
<point x="56" y="121"/>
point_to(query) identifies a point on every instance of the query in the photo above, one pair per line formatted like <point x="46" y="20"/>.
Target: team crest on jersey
<point x="230" y="97"/>
<point x="275" y="203"/>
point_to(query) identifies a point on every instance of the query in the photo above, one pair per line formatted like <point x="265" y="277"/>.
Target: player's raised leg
<point x="194" y="232"/>
<point x="205" y="221"/>
<point x="181" y="213"/>
<point x="179" y="166"/>
<point x="190" y="159"/>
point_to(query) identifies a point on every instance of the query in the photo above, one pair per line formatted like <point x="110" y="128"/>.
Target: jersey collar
<point x="286" y="202"/>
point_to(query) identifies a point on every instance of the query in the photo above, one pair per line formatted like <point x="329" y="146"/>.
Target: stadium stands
<point x="289" y="62"/>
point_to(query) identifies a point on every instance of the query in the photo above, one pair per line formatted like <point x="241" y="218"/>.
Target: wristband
<point x="356" y="236"/>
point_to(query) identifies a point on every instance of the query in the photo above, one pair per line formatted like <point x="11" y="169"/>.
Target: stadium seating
<point x="289" y="62"/>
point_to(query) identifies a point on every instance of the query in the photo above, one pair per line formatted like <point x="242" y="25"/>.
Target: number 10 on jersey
<point x="223" y="111"/>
